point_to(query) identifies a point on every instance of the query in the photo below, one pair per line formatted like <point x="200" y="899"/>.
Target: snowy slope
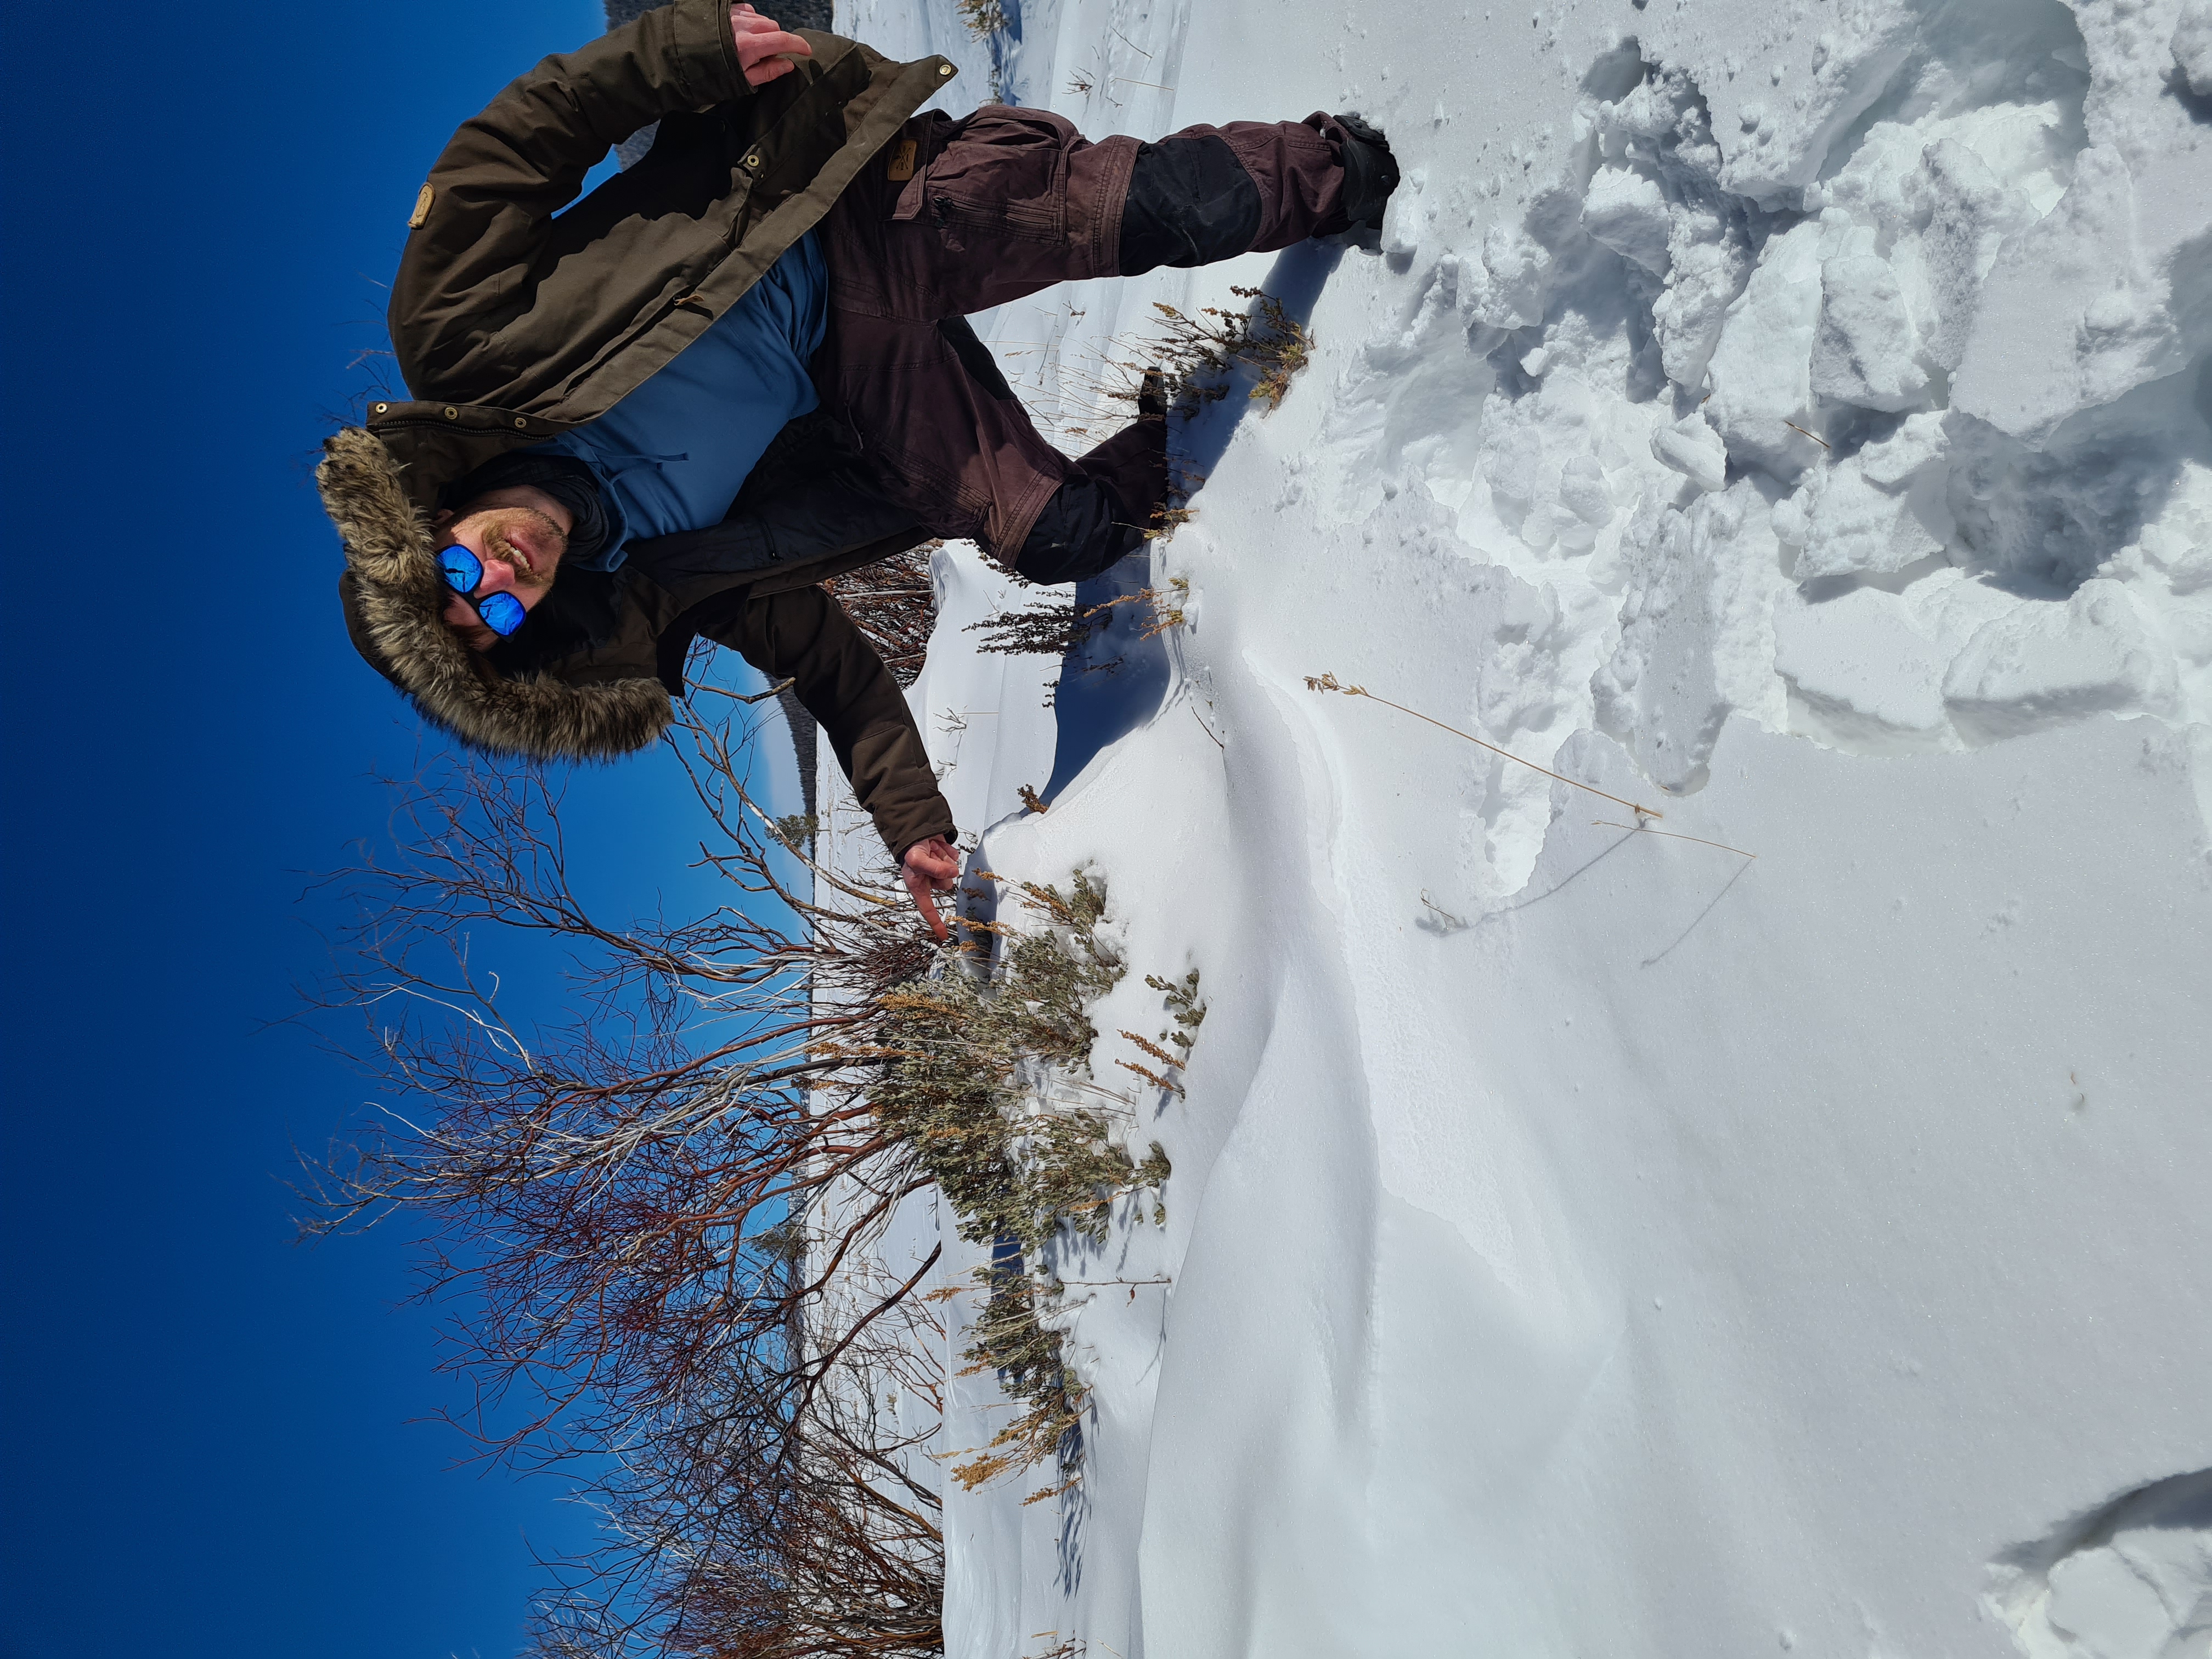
<point x="1796" y="418"/>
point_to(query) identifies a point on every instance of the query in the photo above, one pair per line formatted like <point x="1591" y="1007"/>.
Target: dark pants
<point x="994" y="208"/>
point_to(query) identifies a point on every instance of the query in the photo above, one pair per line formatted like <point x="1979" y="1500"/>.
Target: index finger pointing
<point x="927" y="906"/>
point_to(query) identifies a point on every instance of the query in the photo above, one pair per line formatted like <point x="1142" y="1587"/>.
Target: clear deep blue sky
<point x="208" y="1449"/>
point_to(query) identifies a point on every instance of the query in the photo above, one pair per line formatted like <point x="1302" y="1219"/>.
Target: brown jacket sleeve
<point x="491" y="198"/>
<point x="805" y="636"/>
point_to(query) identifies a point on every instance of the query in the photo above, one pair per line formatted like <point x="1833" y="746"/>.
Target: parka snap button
<point x="944" y="68"/>
<point x="752" y="160"/>
<point x="453" y="414"/>
<point x="382" y="408"/>
<point x="521" y="425"/>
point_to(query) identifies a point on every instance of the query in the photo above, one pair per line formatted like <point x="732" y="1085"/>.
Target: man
<point x="740" y="367"/>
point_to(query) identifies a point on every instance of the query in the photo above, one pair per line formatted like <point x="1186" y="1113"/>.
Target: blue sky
<point x="209" y="1449"/>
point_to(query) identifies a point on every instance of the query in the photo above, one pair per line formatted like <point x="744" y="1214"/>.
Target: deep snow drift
<point x="1799" y="418"/>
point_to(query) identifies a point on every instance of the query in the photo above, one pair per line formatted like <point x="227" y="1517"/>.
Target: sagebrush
<point x="990" y="1079"/>
<point x="1199" y="353"/>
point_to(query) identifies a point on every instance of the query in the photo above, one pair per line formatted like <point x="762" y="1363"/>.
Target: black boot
<point x="1117" y="493"/>
<point x="1370" y="173"/>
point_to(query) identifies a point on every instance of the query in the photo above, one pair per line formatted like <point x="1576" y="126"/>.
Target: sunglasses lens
<point x="464" y="570"/>
<point x="502" y="612"/>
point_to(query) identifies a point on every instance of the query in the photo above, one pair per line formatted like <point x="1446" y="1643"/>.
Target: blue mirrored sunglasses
<point x="502" y="612"/>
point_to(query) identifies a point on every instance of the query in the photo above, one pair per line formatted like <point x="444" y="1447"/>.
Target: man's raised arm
<point x="491" y="198"/>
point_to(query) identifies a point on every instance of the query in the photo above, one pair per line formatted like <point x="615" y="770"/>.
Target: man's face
<point x="520" y="534"/>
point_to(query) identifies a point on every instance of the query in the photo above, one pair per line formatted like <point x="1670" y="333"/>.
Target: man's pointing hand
<point x="930" y="865"/>
<point x="762" y="46"/>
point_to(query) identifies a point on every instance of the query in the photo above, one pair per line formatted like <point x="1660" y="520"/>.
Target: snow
<point x="1797" y="418"/>
<point x="2192" y="46"/>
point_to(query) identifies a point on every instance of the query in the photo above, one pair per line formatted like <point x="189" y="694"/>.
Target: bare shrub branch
<point x="893" y="602"/>
<point x="657" y="1217"/>
<point x="654" y="1217"/>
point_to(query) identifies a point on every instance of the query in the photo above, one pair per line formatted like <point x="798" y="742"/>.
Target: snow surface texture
<point x="1797" y="417"/>
<point x="2134" y="1577"/>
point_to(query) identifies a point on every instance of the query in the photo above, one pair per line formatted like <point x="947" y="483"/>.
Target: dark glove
<point x="1370" y="173"/>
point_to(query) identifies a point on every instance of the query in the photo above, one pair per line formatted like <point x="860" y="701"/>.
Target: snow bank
<point x="1797" y="418"/>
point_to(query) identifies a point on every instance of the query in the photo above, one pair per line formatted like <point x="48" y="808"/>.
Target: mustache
<point x="499" y="543"/>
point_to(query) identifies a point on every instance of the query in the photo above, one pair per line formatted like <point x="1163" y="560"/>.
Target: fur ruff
<point x="389" y="547"/>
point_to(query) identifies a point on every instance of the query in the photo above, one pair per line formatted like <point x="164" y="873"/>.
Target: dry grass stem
<point x="1151" y="1077"/>
<point x="1329" y="683"/>
<point x="1671" y="834"/>
<point x="1165" y="605"/>
<point x="1152" y="1048"/>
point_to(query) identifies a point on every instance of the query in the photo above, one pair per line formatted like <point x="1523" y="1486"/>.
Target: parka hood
<point x="394" y="595"/>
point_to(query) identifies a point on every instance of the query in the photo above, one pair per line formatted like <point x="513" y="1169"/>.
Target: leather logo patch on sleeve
<point x="903" y="155"/>
<point x="422" y="208"/>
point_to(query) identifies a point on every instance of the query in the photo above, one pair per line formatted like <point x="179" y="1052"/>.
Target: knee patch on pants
<point x="1084" y="528"/>
<point x="1191" y="201"/>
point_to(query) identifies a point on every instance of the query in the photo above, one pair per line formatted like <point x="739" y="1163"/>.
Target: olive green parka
<point x="513" y="322"/>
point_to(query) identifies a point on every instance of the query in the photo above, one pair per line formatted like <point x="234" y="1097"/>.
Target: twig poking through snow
<point x="1330" y="683"/>
<point x="1643" y="829"/>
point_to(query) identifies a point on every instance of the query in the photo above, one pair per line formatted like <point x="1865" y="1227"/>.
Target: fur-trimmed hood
<point x="394" y="597"/>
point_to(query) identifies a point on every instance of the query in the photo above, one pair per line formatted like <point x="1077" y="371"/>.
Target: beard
<point x="501" y="529"/>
